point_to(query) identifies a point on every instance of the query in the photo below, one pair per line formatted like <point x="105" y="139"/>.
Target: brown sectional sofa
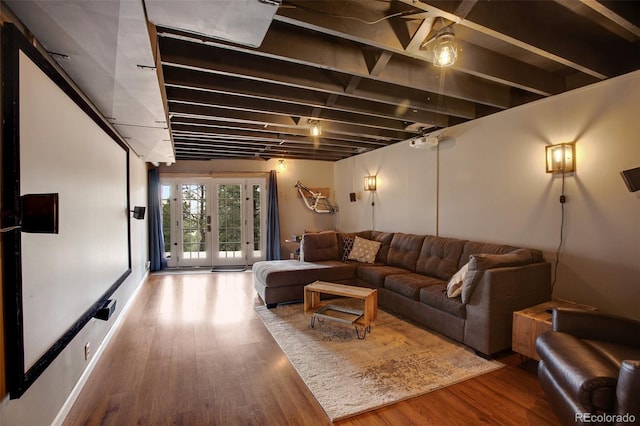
<point x="411" y="273"/>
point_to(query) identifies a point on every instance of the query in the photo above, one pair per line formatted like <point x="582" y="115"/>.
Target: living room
<point x="485" y="181"/>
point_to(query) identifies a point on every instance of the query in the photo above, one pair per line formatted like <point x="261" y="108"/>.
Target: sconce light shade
<point x="370" y="183"/>
<point x="281" y="166"/>
<point x="561" y="158"/>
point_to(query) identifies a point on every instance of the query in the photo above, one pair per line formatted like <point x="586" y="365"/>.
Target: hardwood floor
<point x="192" y="351"/>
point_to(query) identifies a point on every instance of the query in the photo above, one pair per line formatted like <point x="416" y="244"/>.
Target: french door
<point x="214" y="221"/>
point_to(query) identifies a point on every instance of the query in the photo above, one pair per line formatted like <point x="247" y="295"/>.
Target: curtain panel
<point x="273" y="219"/>
<point x="156" y="236"/>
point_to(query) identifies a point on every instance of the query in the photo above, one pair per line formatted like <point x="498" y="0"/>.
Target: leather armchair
<point x="590" y="367"/>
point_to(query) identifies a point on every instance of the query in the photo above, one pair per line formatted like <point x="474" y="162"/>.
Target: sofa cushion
<point x="436" y="296"/>
<point x="319" y="246"/>
<point x="346" y="245"/>
<point x="385" y="243"/>
<point x="474" y="247"/>
<point x="404" y="250"/>
<point x="364" y="250"/>
<point x="345" y="242"/>
<point x="614" y="352"/>
<point x="281" y="273"/>
<point x="482" y="262"/>
<point x="409" y="285"/>
<point x="439" y="257"/>
<point x="374" y="275"/>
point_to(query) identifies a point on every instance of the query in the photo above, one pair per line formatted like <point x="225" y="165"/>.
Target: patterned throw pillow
<point x="347" y="246"/>
<point x="364" y="250"/>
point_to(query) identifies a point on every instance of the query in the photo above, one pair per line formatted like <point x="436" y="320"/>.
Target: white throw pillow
<point x="364" y="250"/>
<point x="454" y="286"/>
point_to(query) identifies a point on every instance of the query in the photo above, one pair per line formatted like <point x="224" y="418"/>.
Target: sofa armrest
<point x="579" y="371"/>
<point x="498" y="293"/>
<point x="597" y="326"/>
<point x="628" y="389"/>
<point x="319" y="246"/>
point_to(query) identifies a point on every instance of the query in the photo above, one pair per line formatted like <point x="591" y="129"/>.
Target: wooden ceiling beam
<point x="184" y="123"/>
<point x="222" y="114"/>
<point x="497" y="68"/>
<point x="240" y="145"/>
<point x="231" y="101"/>
<point x="375" y="100"/>
<point x="595" y="11"/>
<point x="300" y="98"/>
<point x="306" y="69"/>
<point x="373" y="38"/>
<point x="559" y="43"/>
<point x="241" y="134"/>
<point x="247" y="150"/>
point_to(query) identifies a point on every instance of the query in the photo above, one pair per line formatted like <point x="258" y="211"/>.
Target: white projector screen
<point x="60" y="279"/>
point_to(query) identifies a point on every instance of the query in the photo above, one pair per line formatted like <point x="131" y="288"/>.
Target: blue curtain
<point x="156" y="238"/>
<point x="273" y="219"/>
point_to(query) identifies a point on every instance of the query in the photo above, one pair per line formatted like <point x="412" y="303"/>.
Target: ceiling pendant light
<point x="445" y="48"/>
<point x="315" y="128"/>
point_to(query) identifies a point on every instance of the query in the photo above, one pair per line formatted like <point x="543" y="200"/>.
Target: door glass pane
<point x="194" y="222"/>
<point x="166" y="219"/>
<point x="229" y="221"/>
<point x="257" y="220"/>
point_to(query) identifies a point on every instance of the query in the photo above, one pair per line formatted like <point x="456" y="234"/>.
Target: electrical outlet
<point x="87" y="351"/>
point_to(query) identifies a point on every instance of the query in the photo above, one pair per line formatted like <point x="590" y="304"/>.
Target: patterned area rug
<point x="396" y="361"/>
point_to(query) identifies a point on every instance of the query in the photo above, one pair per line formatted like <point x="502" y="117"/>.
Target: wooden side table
<point x="531" y="322"/>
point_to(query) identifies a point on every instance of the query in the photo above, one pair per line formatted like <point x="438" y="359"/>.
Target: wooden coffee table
<point x="319" y="310"/>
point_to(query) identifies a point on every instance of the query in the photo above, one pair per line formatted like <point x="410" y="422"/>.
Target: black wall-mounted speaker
<point x="39" y="213"/>
<point x="631" y="178"/>
<point x="138" y="212"/>
<point x="105" y="312"/>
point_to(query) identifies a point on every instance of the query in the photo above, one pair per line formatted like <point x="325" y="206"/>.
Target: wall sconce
<point x="281" y="166"/>
<point x="561" y="158"/>
<point x="370" y="183"/>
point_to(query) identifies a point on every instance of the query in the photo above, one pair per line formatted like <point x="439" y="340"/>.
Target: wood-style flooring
<point x="192" y="351"/>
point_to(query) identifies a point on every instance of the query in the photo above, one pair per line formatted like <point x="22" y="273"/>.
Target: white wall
<point x="43" y="400"/>
<point x="493" y="187"/>
<point x="295" y="218"/>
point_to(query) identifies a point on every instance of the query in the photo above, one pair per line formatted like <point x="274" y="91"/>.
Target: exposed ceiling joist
<point x="359" y="68"/>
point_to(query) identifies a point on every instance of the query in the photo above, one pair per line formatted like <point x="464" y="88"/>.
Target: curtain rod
<point x="213" y="174"/>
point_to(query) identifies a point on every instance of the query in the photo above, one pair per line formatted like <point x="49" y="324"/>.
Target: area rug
<point x="348" y="376"/>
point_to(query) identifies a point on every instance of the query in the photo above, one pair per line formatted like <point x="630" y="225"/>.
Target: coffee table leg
<point x="311" y="299"/>
<point x="371" y="303"/>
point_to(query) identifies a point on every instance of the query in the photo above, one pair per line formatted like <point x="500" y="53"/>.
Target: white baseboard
<point x="75" y="392"/>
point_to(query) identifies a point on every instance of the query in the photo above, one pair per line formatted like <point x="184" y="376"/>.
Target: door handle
<point x="208" y="228"/>
<point x="209" y="221"/>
